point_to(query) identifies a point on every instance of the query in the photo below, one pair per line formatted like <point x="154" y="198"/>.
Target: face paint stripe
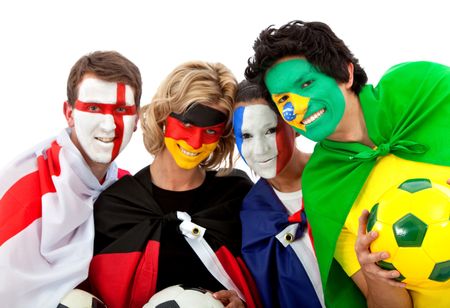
<point x="118" y="120"/>
<point x="105" y="108"/>
<point x="195" y="136"/>
<point x="238" y="117"/>
<point x="280" y="143"/>
<point x="121" y="94"/>
<point x="285" y="140"/>
<point x="201" y="116"/>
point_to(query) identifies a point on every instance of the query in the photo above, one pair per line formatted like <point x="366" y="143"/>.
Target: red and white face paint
<point x="104" y="118"/>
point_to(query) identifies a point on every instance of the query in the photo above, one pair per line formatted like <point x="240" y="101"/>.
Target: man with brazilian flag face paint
<point x="369" y="139"/>
<point x="47" y="194"/>
<point x="310" y="101"/>
<point x="193" y="135"/>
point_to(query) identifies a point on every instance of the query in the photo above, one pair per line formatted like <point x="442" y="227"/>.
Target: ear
<point x="68" y="113"/>
<point x="349" y="83"/>
<point x="136" y="121"/>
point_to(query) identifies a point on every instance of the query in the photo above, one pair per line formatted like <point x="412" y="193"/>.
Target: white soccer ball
<point x="182" y="297"/>
<point x="80" y="299"/>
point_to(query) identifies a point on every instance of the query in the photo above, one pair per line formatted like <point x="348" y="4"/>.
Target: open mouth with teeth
<point x="187" y="153"/>
<point x="105" y="139"/>
<point x="312" y="118"/>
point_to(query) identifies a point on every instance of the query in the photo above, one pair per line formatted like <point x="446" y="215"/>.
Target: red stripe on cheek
<point x="118" y="120"/>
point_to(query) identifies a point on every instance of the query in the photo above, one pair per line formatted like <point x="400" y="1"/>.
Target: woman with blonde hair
<point x="177" y="220"/>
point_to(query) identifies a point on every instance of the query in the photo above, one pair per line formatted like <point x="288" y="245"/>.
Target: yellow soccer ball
<point x="412" y="221"/>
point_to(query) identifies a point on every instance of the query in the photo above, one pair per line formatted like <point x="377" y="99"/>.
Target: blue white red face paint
<point x="104" y="118"/>
<point x="264" y="140"/>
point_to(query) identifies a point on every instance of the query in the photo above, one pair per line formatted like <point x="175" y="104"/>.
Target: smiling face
<point x="265" y="142"/>
<point x="193" y="135"/>
<point x="308" y="100"/>
<point x="104" y="117"/>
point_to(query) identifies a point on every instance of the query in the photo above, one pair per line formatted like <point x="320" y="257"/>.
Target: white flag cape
<point x="46" y="223"/>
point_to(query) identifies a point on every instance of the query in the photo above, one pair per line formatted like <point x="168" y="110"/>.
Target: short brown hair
<point x="211" y="84"/>
<point x="107" y="65"/>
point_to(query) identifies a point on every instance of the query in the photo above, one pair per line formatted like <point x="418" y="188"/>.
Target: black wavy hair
<point x="313" y="40"/>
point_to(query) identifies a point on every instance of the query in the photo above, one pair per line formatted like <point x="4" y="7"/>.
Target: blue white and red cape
<point x="282" y="274"/>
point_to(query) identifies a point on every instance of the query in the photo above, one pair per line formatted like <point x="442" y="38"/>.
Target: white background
<point x="41" y="40"/>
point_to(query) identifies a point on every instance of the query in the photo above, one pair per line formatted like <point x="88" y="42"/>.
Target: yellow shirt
<point x="390" y="171"/>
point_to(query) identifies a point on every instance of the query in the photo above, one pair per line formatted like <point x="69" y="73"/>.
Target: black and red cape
<point x="130" y="226"/>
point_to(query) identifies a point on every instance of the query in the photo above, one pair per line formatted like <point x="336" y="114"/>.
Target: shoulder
<point x="125" y="187"/>
<point x="411" y="73"/>
<point x="234" y="177"/>
<point x="236" y="182"/>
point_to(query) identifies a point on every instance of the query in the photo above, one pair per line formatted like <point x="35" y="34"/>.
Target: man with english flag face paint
<point x="47" y="194"/>
<point x="277" y="245"/>
<point x="104" y="118"/>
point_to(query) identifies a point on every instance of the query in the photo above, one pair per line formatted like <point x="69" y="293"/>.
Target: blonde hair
<point x="211" y="84"/>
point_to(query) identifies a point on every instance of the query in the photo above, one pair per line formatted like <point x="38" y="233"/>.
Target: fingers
<point x="229" y="298"/>
<point x="363" y="222"/>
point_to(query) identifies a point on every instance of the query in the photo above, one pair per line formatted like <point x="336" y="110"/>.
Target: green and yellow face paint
<point x="308" y="100"/>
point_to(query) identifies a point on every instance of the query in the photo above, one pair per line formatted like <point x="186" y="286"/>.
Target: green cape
<point x="408" y="115"/>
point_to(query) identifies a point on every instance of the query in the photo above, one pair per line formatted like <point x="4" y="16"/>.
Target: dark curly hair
<point x="313" y="40"/>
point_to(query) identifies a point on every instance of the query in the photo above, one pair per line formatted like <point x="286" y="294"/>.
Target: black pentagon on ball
<point x="372" y="217"/>
<point x="389" y="267"/>
<point x="409" y="231"/>
<point x="168" y="304"/>
<point x="415" y="185"/>
<point x="441" y="272"/>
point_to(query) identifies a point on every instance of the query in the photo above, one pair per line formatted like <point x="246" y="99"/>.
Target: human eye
<point x="283" y="99"/>
<point x="211" y="132"/>
<point x="306" y="84"/>
<point x="120" y="109"/>
<point x="246" y="136"/>
<point x="93" y="108"/>
<point x="187" y="124"/>
<point x="271" y="130"/>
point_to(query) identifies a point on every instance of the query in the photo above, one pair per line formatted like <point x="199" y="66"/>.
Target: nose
<point x="300" y="105"/>
<point x="195" y="139"/>
<point x="261" y="146"/>
<point x="107" y="123"/>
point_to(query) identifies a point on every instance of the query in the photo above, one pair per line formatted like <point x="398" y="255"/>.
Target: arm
<point x="378" y="285"/>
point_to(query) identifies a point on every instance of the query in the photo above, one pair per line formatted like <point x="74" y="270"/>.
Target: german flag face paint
<point x="308" y="100"/>
<point x="192" y="136"/>
<point x="104" y="118"/>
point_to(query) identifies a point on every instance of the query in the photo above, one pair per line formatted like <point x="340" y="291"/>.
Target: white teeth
<point x="105" y="139"/>
<point x="188" y="153"/>
<point x="313" y="117"/>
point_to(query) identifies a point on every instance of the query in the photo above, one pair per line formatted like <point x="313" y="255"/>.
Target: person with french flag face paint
<point x="277" y="244"/>
<point x="265" y="142"/>
<point x="47" y="194"/>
